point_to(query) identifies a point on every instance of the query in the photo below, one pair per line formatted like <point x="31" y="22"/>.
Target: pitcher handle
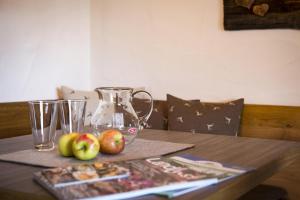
<point x="143" y="119"/>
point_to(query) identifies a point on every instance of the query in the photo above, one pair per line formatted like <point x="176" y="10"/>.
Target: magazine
<point x="222" y="172"/>
<point x="82" y="173"/>
<point x="146" y="176"/>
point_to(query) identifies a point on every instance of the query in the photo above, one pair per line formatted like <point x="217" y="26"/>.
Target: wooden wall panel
<point x="14" y="119"/>
<point x="274" y="122"/>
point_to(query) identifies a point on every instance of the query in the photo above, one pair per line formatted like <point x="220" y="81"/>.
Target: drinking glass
<point x="72" y="114"/>
<point x="43" y="117"/>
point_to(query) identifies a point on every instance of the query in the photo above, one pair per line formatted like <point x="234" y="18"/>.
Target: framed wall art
<point x="261" y="14"/>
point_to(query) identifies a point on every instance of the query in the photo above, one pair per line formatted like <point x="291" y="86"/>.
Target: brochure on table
<point x="221" y="171"/>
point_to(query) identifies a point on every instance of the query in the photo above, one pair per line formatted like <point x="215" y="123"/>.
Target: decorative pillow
<point x="92" y="98"/>
<point x="158" y="117"/>
<point x="197" y="117"/>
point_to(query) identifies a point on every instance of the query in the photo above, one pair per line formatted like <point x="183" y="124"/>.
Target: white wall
<point x="180" y="47"/>
<point x="169" y="46"/>
<point x="43" y="44"/>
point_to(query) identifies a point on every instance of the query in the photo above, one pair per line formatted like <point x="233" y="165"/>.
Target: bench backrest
<point x="261" y="121"/>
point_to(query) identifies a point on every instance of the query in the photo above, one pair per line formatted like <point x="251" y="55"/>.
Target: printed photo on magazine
<point x="146" y="176"/>
<point x="221" y="171"/>
<point x="82" y="173"/>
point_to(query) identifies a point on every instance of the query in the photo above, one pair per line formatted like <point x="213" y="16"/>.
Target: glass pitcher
<point x="115" y="111"/>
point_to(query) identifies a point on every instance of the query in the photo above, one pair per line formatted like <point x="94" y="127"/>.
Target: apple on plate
<point x="112" y="141"/>
<point x="86" y="146"/>
<point x="65" y="144"/>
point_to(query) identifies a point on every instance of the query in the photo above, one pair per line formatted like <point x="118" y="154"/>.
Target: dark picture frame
<point x="261" y="14"/>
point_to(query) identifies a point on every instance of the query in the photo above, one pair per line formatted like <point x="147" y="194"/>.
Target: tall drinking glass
<point x="43" y="117"/>
<point x="72" y="114"/>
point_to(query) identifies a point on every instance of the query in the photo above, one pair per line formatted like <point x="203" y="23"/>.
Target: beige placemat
<point x="140" y="148"/>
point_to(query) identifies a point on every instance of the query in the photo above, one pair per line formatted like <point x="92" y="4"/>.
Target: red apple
<point x="86" y="146"/>
<point x="111" y="142"/>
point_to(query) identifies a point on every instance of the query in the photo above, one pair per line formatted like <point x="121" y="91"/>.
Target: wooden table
<point x="266" y="156"/>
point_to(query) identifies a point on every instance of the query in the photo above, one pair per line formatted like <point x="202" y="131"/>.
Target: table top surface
<point x="265" y="156"/>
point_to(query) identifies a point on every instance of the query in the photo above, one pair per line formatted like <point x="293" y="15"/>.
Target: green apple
<point x="86" y="146"/>
<point x="65" y="144"/>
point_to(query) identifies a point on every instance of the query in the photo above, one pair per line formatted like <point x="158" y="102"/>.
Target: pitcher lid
<point x="114" y="88"/>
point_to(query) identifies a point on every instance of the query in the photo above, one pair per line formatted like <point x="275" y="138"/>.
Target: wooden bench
<point x="260" y="121"/>
<point x="272" y="122"/>
<point x="14" y="119"/>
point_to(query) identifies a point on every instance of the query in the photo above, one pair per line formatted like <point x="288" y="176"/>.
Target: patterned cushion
<point x="91" y="97"/>
<point x="197" y="117"/>
<point x="158" y="117"/>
